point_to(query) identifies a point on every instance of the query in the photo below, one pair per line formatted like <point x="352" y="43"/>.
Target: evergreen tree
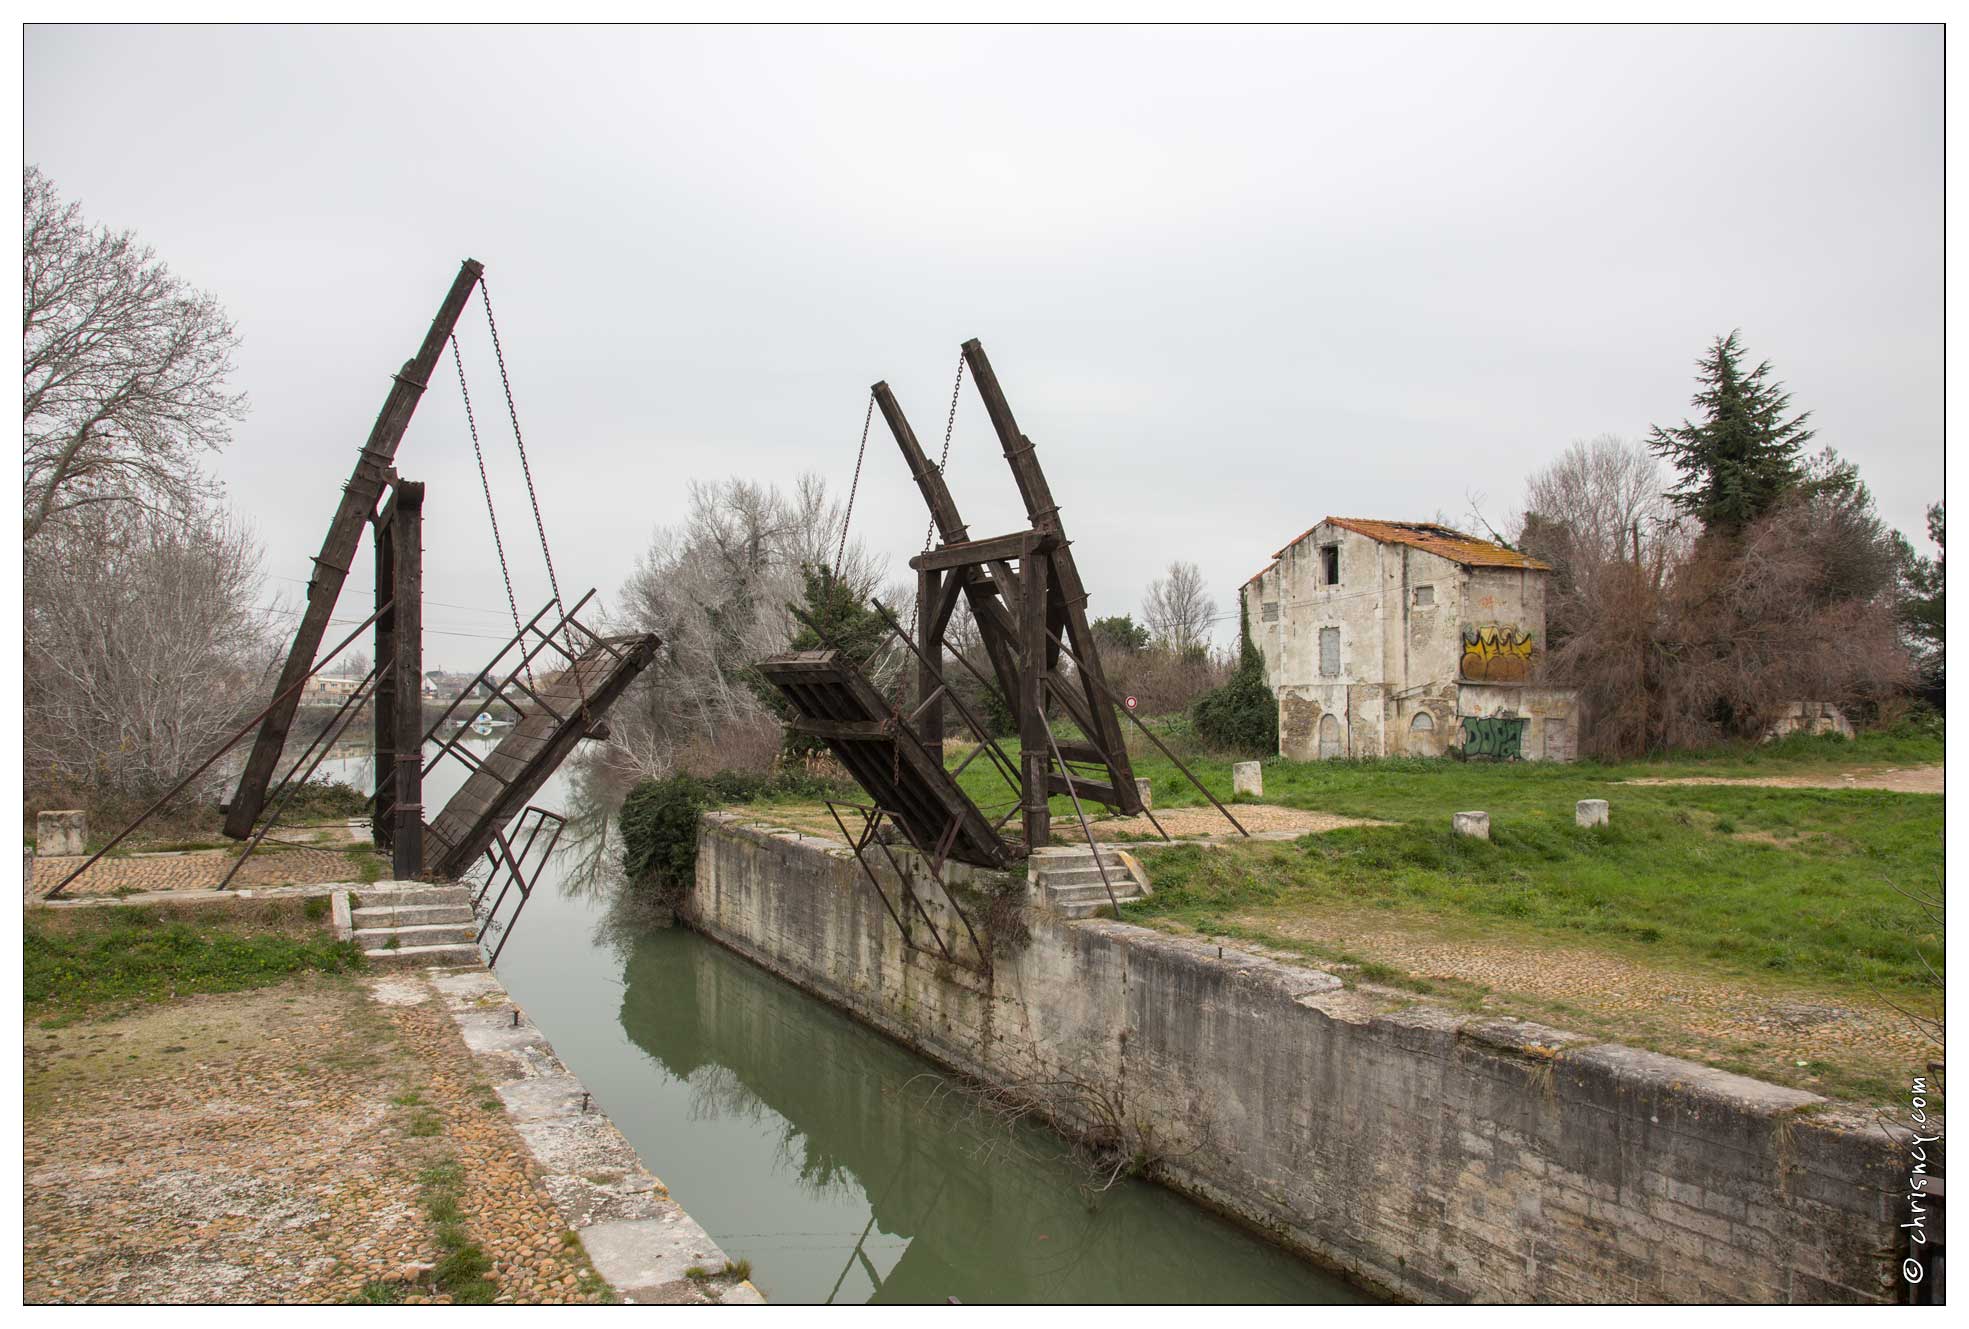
<point x="1120" y="632"/>
<point x="850" y="624"/>
<point x="1922" y="613"/>
<point x="1743" y="456"/>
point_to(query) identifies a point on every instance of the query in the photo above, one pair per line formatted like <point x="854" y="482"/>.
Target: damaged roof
<point x="1443" y="541"/>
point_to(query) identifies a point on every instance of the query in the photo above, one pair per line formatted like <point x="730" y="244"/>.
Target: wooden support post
<point x="338" y="550"/>
<point x="1035" y="761"/>
<point x="406" y="692"/>
<point x="383" y="717"/>
<point x="929" y="664"/>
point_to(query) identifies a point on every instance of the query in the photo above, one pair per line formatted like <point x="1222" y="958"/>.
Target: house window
<point x="1329" y="652"/>
<point x="1424" y="596"/>
<point x="1330" y="563"/>
<point x="1423" y="723"/>
<point x="1269" y="611"/>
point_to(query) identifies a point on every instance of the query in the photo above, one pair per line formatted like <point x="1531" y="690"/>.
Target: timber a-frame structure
<point x="1026" y="597"/>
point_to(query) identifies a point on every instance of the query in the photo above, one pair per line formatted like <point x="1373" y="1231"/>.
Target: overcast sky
<point x="1231" y="280"/>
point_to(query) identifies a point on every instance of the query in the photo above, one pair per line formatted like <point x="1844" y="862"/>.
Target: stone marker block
<point x="1590" y="812"/>
<point x="1471" y="823"/>
<point x="1248" y="777"/>
<point x="60" y="834"/>
<point x="1142" y="792"/>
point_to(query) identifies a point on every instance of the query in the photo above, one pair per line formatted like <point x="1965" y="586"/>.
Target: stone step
<point x="442" y="935"/>
<point x="1085" y="908"/>
<point x="408" y="956"/>
<point x="1123" y="890"/>
<point x="1117" y="873"/>
<point x="381" y="894"/>
<point x="411" y="915"/>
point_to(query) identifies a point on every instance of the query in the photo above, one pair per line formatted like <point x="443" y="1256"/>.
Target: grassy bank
<point x="75" y="959"/>
<point x="1801" y="883"/>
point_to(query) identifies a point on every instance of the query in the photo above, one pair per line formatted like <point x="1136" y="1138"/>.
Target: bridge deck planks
<point x="835" y="702"/>
<point x="533" y="751"/>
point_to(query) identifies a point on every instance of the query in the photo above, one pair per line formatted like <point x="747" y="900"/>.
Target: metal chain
<point x="533" y="496"/>
<point x="854" y="487"/>
<point x="949" y="427"/>
<point x="930" y="532"/>
<point x="471" y="422"/>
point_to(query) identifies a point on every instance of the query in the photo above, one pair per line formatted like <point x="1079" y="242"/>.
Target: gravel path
<point x="196" y="870"/>
<point x="1900" y="780"/>
<point x="263" y="1147"/>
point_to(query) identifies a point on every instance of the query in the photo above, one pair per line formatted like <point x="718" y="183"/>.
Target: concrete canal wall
<point x="1437" y="1155"/>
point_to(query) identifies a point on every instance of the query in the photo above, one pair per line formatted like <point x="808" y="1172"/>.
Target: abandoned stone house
<point x="1385" y="638"/>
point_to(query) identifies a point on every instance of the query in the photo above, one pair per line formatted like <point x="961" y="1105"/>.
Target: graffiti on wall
<point x="1496" y="655"/>
<point x="1499" y="736"/>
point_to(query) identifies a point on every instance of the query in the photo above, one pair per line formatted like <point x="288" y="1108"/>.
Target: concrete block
<point x="1590" y="812"/>
<point x="60" y="834"/>
<point x="1471" y="823"/>
<point x="1248" y="777"/>
<point x="1142" y="792"/>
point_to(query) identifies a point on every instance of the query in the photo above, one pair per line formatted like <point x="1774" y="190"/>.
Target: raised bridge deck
<point x="551" y="724"/>
<point x="833" y="701"/>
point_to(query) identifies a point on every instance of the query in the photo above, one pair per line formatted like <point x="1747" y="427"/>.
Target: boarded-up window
<point x="1330" y="652"/>
<point x="1558" y="739"/>
<point x="1423" y="722"/>
<point x="1269" y="611"/>
<point x="1424" y="596"/>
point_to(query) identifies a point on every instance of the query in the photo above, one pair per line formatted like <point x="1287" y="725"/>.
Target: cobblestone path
<point x="265" y="1146"/>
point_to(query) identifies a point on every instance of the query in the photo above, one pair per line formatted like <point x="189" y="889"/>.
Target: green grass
<point x="461" y="1272"/>
<point x="89" y="957"/>
<point x="368" y="864"/>
<point x="1794" y="883"/>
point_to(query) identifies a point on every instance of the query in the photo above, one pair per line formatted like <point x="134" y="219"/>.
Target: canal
<point x="843" y="1166"/>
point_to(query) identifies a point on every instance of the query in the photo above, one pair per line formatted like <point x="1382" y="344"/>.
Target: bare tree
<point x="142" y="637"/>
<point x="1178" y="609"/>
<point x="123" y="369"/>
<point x="717" y="590"/>
<point x="1600" y="505"/>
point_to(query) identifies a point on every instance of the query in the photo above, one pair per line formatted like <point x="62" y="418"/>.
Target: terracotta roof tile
<point x="1442" y="541"/>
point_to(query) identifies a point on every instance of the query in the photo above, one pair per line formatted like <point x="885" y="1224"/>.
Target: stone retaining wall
<point x="1440" y="1156"/>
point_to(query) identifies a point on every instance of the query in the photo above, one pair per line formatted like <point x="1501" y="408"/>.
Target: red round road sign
<point x="1131" y="703"/>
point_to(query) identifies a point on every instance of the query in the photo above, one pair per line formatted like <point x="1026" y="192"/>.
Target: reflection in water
<point x="823" y="1152"/>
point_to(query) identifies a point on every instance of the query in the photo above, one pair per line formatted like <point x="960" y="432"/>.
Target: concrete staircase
<point x="400" y="924"/>
<point x="1069" y="881"/>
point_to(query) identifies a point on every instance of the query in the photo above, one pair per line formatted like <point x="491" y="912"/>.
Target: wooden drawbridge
<point x="557" y="711"/>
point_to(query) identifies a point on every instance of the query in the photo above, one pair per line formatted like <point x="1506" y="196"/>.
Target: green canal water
<point x="842" y="1165"/>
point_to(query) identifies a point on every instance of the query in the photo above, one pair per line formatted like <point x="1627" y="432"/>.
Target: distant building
<point x="330" y="689"/>
<point x="439" y="683"/>
<point x="1385" y="638"/>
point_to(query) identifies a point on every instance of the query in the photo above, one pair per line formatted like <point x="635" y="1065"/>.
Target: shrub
<point x="659" y="832"/>
<point x="659" y="819"/>
<point x="1242" y="715"/>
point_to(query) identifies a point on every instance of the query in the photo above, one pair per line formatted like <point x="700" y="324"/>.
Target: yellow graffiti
<point x="1496" y="655"/>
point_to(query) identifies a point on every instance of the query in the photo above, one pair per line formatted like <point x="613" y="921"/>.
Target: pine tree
<point x="1743" y="457"/>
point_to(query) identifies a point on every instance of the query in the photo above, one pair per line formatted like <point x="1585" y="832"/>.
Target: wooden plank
<point x="338" y="550"/>
<point x="899" y="772"/>
<point x="997" y="548"/>
<point x="533" y="750"/>
<point x="857" y="729"/>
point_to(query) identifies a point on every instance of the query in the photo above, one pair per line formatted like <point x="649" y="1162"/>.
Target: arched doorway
<point x="1330" y="743"/>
